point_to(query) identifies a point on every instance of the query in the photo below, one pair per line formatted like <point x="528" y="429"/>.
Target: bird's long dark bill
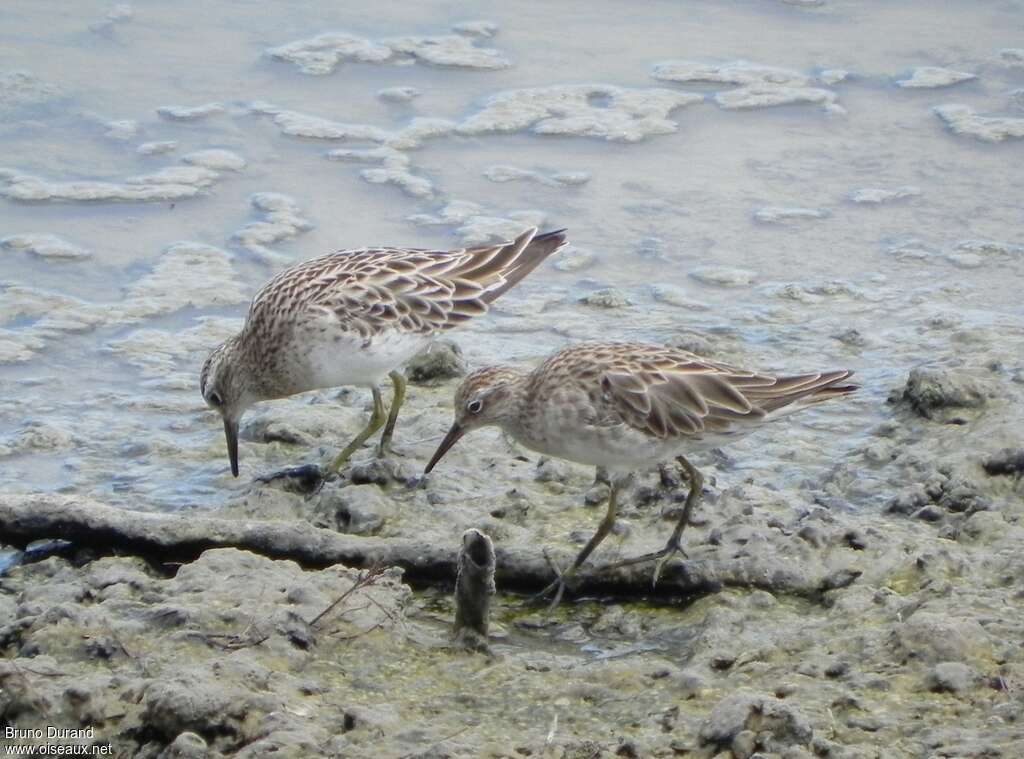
<point x="231" y="433"/>
<point x="450" y="439"/>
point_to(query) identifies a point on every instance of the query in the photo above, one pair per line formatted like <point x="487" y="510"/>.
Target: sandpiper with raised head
<point x="353" y="318"/>
<point x="628" y="407"/>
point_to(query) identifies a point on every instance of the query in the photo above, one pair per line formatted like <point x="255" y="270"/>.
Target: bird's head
<point x="224" y="390"/>
<point x="486" y="397"/>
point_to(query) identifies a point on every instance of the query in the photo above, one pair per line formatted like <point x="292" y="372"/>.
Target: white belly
<point x="622" y="448"/>
<point x="344" y="359"/>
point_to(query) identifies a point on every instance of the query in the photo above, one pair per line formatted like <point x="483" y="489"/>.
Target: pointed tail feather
<point x="532" y="251"/>
<point x="809" y="391"/>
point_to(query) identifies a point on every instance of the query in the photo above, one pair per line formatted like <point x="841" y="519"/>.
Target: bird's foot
<point x="672" y="547"/>
<point x="558" y="585"/>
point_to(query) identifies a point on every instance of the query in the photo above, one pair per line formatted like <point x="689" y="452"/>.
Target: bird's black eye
<point x="215" y="400"/>
<point x="474" y="407"/>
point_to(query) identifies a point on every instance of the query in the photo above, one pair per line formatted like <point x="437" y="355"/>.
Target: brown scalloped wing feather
<point x="669" y="393"/>
<point x="414" y="290"/>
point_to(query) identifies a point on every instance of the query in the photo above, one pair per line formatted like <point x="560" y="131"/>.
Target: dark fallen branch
<point x="181" y="538"/>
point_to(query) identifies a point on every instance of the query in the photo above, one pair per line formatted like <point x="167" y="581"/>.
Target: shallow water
<point x="100" y="347"/>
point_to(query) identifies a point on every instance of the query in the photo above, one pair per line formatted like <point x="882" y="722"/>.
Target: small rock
<point x="187" y="745"/>
<point x="609" y="297"/>
<point x="939" y="637"/>
<point x="930" y="391"/>
<point x="1006" y="461"/>
<point x="551" y="470"/>
<point x="851" y="337"/>
<point x="282" y="432"/>
<point x="837" y="669"/>
<point x="355" y="509"/>
<point x="597" y="494"/>
<point x="930" y="513"/>
<point x="689" y="684"/>
<point x="692" y="342"/>
<point x="744" y="744"/>
<point x="441" y="361"/>
<point x="950" y="677"/>
<point x="371" y="472"/>
<point x="777" y="724"/>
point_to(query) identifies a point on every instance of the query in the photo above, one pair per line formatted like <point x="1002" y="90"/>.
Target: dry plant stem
<point x="369" y="577"/>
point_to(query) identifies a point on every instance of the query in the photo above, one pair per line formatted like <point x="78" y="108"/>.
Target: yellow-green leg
<point x="673" y="546"/>
<point x="376" y="422"/>
<point x="602" y="532"/>
<point x="397" y="398"/>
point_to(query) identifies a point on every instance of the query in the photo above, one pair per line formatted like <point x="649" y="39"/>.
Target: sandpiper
<point x="354" y="317"/>
<point x="628" y="407"/>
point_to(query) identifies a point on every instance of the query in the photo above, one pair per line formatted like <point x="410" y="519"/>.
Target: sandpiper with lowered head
<point x="628" y="407"/>
<point x="353" y="318"/>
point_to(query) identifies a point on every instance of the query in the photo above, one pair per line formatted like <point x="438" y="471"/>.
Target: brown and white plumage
<point x="623" y="405"/>
<point x="629" y="406"/>
<point x="353" y="317"/>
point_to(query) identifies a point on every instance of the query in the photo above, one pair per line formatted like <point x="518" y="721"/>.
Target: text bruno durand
<point x="51" y="741"/>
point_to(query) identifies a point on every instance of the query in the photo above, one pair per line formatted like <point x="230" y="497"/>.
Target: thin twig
<point x="366" y="578"/>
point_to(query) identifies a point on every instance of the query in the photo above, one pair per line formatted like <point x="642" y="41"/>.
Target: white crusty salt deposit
<point x="476" y="225"/>
<point x="930" y="77"/>
<point x="282" y="220"/>
<point x="208" y="270"/>
<point x="216" y="159"/>
<point x="476" y="28"/>
<point x="585" y="110"/>
<point x="23" y="88"/>
<point x="962" y="119"/>
<point x="52" y="315"/>
<point x="733" y="72"/>
<point x="190" y="113"/>
<point x="398" y="94"/>
<point x="911" y="250"/>
<point x="574" y="259"/>
<point x="723" y="276"/>
<point x="394" y="168"/>
<point x="786" y="215"/>
<point x="158" y="352"/>
<point x="772" y="95"/>
<point x="879" y="195"/>
<point x="990" y="248"/>
<point x="299" y="124"/>
<point x="157" y="148"/>
<point x="45" y="246"/>
<point x="123" y="129"/>
<point x="502" y="174"/>
<point x="170" y="183"/>
<point x="759" y="86"/>
<point x="1011" y="56"/>
<point x="323" y="53"/>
